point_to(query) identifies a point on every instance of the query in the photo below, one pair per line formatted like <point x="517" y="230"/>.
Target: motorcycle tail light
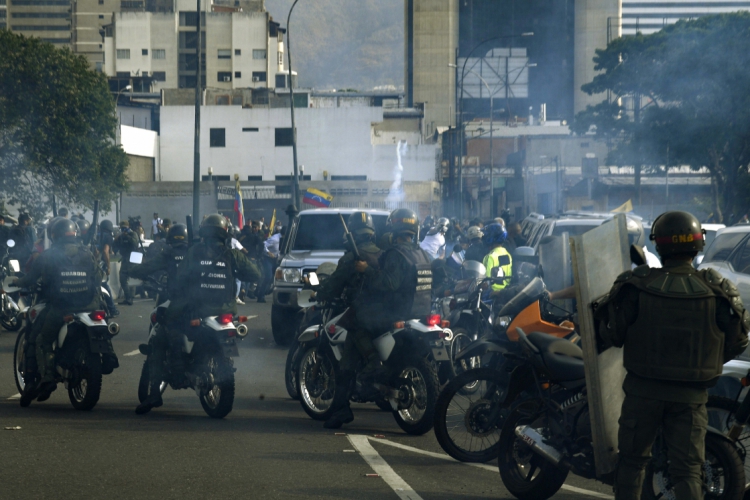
<point x="98" y="315"/>
<point x="445" y="323"/>
<point x="242" y="319"/>
<point x="195" y="322"/>
<point x="398" y="325"/>
<point x="153" y="318"/>
<point x="68" y="318"/>
<point x="225" y="319"/>
<point x="745" y="381"/>
<point x="433" y="320"/>
<point x="331" y="329"/>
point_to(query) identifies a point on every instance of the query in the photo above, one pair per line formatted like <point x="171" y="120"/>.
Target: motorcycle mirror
<point x="136" y="257"/>
<point x="524" y="252"/>
<point x="10" y="243"/>
<point x="14" y="266"/>
<point x="313" y="279"/>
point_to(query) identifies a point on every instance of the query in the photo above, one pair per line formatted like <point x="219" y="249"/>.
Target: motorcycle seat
<point x="563" y="359"/>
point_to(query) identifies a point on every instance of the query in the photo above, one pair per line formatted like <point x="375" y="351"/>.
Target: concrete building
<point x="649" y="17"/>
<point x="431" y="33"/>
<point x="241" y="49"/>
<point x="48" y="20"/>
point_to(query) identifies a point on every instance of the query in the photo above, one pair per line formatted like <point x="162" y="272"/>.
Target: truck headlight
<point x="289" y="274"/>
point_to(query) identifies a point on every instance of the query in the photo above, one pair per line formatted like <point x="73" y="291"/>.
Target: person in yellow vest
<point x="494" y="237"/>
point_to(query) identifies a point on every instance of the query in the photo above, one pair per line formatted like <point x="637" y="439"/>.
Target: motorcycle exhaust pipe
<point x="113" y="328"/>
<point x="535" y="441"/>
<point x="241" y="331"/>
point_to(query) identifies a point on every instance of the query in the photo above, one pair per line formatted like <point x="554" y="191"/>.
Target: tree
<point x="57" y="128"/>
<point x="693" y="77"/>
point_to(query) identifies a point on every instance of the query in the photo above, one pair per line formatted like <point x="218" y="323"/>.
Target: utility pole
<point x="197" y="139"/>
<point x="295" y="181"/>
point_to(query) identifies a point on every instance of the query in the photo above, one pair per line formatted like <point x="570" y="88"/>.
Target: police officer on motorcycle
<point x="70" y="279"/>
<point x="678" y="327"/>
<point x="493" y="238"/>
<point x="398" y="290"/>
<point x="205" y="280"/>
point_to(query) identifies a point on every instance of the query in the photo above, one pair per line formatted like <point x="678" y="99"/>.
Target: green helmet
<point x="214" y="226"/>
<point x="64" y="228"/>
<point x="177" y="235"/>
<point x="404" y="220"/>
<point x="677" y="233"/>
<point x="361" y="223"/>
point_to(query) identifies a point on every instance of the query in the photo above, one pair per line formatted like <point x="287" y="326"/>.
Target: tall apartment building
<point x="3" y="14"/>
<point x="49" y="20"/>
<point x="240" y="49"/>
<point x="649" y="16"/>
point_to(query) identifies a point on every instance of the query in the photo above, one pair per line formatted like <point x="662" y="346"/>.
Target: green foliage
<point x="57" y="128"/>
<point x="693" y="78"/>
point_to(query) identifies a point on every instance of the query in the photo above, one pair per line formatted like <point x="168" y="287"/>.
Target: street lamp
<point x="460" y="110"/>
<point x="117" y="98"/>
<point x="295" y="181"/>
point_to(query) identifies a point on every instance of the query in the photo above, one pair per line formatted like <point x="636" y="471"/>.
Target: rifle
<point x="350" y="238"/>
<point x="189" y="224"/>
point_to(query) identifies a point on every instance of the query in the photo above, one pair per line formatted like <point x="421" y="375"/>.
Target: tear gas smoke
<point x="396" y="193"/>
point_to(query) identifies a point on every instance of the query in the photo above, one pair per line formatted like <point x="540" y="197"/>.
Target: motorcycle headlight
<point x="503" y="321"/>
<point x="291" y="275"/>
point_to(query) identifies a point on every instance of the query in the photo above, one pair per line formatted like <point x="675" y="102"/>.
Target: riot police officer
<point x="70" y="279"/>
<point x="345" y="280"/>
<point x="678" y="326"/>
<point x="126" y="243"/>
<point x="205" y="280"/>
<point x="399" y="289"/>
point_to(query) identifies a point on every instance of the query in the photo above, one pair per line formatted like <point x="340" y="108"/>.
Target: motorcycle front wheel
<point x="468" y="422"/>
<point x="85" y="386"/>
<point x="217" y="400"/>
<point x="316" y="383"/>
<point x="418" y="383"/>
<point x="526" y="475"/>
<point x="291" y="369"/>
<point x="145" y="382"/>
<point x="19" y="362"/>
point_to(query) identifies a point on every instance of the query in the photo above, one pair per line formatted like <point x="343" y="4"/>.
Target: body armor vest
<point x="413" y="299"/>
<point x="176" y="257"/>
<point x="675" y="336"/>
<point x="215" y="283"/>
<point x="74" y="278"/>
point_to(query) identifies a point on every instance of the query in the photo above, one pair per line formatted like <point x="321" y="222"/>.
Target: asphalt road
<point x="266" y="448"/>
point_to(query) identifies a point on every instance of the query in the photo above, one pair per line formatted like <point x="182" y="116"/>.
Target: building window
<point x="215" y="178"/>
<point x="238" y="74"/>
<point x="225" y="54"/>
<point x="224" y="76"/>
<point x="159" y="54"/>
<point x="249" y="129"/>
<point x="159" y="76"/>
<point x="144" y="52"/>
<point x="101" y="16"/>
<point x="98" y="66"/>
<point x="101" y="2"/>
<point x="348" y="177"/>
<point x="123" y="53"/>
<point x="41" y="28"/>
<point x="283" y="137"/>
<point x="217" y="137"/>
<point x="123" y="74"/>
<point x="259" y="76"/>
<point x="259" y="53"/>
<point x="190" y="18"/>
<point x="255" y="177"/>
<point x="236" y="100"/>
<point x="222" y="100"/>
<point x="238" y="52"/>
<point x="37" y="15"/>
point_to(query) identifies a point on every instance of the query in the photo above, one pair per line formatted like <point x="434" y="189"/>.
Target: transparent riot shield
<point x="554" y="257"/>
<point x="599" y="256"/>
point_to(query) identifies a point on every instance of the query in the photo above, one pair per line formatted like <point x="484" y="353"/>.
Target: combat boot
<point x="30" y="392"/>
<point x="152" y="401"/>
<point x="45" y="391"/>
<point x="340" y="417"/>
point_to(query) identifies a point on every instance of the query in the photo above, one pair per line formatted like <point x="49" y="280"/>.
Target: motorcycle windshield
<point x="531" y="293"/>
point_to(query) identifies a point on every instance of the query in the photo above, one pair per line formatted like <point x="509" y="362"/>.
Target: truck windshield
<point x="325" y="231"/>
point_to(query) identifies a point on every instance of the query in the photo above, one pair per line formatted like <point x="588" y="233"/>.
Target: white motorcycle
<point x="409" y="352"/>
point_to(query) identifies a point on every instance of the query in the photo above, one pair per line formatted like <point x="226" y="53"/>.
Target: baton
<point x="350" y="239"/>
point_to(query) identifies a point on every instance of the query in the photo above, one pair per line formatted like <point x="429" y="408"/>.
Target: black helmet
<point x="83" y="227"/>
<point x="106" y="225"/>
<point x="677" y="233"/>
<point x="214" y="226"/>
<point x="50" y="225"/>
<point x="404" y="220"/>
<point x="361" y="223"/>
<point x="64" y="228"/>
<point x="177" y="235"/>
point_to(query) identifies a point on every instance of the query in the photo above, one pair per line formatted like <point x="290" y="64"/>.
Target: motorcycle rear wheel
<point x="461" y="417"/>
<point x="19" y="362"/>
<point x="525" y="474"/>
<point x="217" y="402"/>
<point x="316" y="383"/>
<point x="419" y="376"/>
<point x="85" y="392"/>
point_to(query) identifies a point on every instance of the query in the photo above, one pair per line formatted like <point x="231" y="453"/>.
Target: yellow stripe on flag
<point x="273" y="220"/>
<point x="624" y="208"/>
<point x="323" y="195"/>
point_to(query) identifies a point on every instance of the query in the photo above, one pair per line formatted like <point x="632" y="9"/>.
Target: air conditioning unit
<point x="256" y="78"/>
<point x="227" y="78"/>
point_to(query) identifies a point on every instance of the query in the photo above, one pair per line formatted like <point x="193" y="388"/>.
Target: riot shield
<point x="599" y="256"/>
<point x="554" y="257"/>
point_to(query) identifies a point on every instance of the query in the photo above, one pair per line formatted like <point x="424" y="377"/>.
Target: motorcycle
<point x="410" y="352"/>
<point x="208" y="346"/>
<point x="468" y="413"/>
<point x="10" y="310"/>
<point x="83" y="351"/>
<point x="548" y="431"/>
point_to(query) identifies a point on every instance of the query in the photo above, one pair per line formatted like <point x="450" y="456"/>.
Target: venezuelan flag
<point x="317" y="198"/>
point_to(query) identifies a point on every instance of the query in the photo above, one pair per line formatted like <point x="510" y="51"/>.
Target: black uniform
<point x="476" y="252"/>
<point x="125" y="244"/>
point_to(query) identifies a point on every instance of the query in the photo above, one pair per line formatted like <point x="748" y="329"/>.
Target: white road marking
<point x="490" y="468"/>
<point x="398" y="485"/>
<point x="15" y="396"/>
<point x="132" y="353"/>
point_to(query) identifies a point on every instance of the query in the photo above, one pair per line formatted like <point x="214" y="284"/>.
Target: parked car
<point x="315" y="236"/>
<point x="535" y="227"/>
